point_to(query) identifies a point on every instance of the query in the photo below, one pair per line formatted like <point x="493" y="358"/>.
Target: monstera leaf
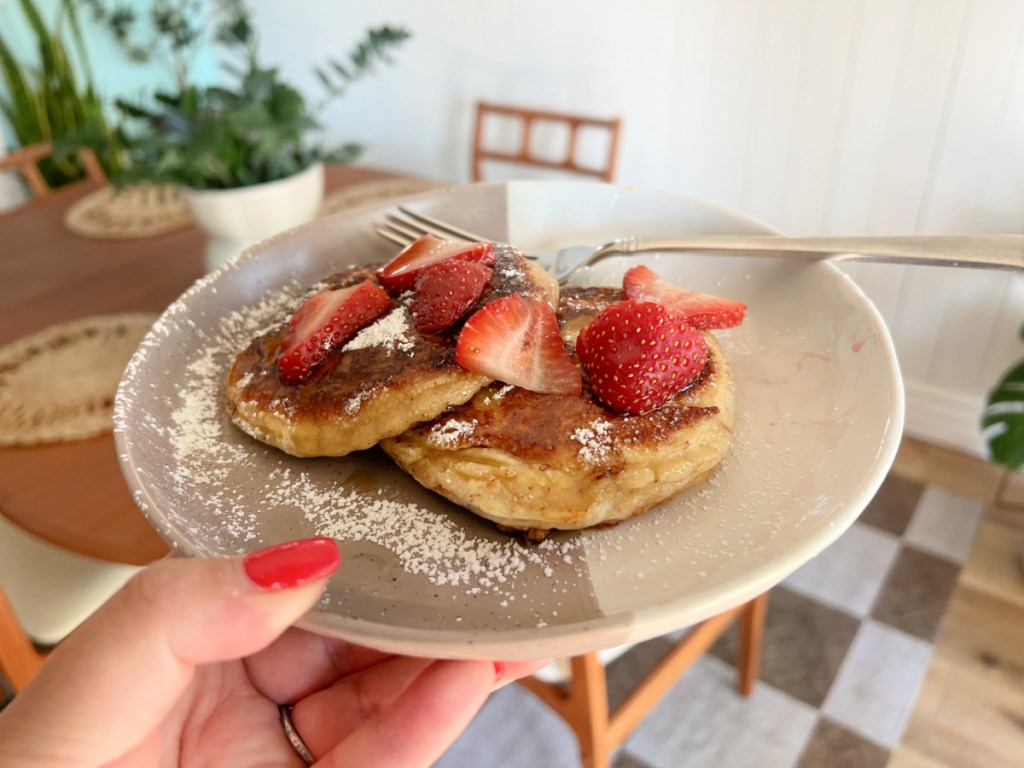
<point x="1003" y="419"/>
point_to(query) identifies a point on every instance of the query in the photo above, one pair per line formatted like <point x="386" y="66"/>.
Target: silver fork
<point x="977" y="251"/>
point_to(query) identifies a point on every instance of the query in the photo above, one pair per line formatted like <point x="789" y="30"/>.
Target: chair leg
<point x="751" y="629"/>
<point x="91" y="164"/>
<point x="18" y="658"/>
<point x="587" y="711"/>
<point x="583" y="704"/>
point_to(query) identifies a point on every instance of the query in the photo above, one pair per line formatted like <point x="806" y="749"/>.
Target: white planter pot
<point x="235" y="219"/>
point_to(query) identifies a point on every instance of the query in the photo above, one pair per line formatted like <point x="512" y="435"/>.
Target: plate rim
<point x="515" y="643"/>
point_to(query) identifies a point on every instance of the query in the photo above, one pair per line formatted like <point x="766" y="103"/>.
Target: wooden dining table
<point x="72" y="494"/>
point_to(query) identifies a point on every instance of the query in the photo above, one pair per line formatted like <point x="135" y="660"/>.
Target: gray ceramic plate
<point x="820" y="413"/>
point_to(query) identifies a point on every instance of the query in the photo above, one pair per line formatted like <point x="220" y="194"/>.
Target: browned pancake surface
<point x="533" y="461"/>
<point x="386" y="379"/>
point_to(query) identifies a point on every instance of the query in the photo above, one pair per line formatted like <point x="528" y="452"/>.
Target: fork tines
<point x="410" y="225"/>
<point x="398" y="231"/>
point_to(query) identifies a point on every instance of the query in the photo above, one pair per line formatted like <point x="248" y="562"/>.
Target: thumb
<point x="114" y="679"/>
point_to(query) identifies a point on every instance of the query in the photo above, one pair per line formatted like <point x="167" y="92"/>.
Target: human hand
<point x="188" y="664"/>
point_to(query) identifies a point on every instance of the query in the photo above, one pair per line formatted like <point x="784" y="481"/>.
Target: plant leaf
<point x="1003" y="419"/>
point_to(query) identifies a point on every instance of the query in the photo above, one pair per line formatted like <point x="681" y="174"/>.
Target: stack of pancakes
<point x="530" y="462"/>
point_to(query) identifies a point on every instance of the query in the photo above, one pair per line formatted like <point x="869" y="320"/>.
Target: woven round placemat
<point x="367" y="192"/>
<point x="59" y="384"/>
<point x="139" y="211"/>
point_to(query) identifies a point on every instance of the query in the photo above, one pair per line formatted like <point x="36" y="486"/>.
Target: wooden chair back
<point x="583" y="701"/>
<point x="527" y="154"/>
<point x="26" y="162"/>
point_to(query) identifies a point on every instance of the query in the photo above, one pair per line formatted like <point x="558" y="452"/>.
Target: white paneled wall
<point x="815" y="116"/>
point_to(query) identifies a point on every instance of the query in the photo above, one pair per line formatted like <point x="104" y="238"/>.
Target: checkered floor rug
<point x="848" y="639"/>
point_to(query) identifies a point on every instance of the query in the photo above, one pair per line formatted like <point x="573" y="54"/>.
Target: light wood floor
<point x="970" y="711"/>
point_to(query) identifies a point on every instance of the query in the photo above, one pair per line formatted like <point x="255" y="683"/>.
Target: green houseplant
<point x="251" y="129"/>
<point x="48" y="100"/>
<point x="241" y="149"/>
<point x="1003" y="424"/>
<point x="1003" y="419"/>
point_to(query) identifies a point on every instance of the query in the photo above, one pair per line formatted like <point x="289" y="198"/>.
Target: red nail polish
<point x="499" y="671"/>
<point x="294" y="563"/>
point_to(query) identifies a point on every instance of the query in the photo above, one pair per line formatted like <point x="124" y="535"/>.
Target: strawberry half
<point x="324" y="322"/>
<point x="516" y="340"/>
<point x="400" y="274"/>
<point x="639" y="354"/>
<point x="702" y="310"/>
<point x="445" y="292"/>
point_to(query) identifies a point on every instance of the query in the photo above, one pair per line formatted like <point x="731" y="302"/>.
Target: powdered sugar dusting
<point x="390" y="333"/>
<point x="211" y="460"/>
<point x="355" y="402"/>
<point x="595" y="441"/>
<point x="449" y="434"/>
<point x="496" y="396"/>
<point x="426" y="543"/>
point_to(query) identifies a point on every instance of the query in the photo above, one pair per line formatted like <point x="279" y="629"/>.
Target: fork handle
<point x="981" y="252"/>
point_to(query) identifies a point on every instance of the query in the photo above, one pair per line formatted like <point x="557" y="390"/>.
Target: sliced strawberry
<point x="639" y="354"/>
<point x="702" y="310"/>
<point x="324" y="322"/>
<point x="516" y="340"/>
<point x="446" y="291"/>
<point x="400" y="274"/>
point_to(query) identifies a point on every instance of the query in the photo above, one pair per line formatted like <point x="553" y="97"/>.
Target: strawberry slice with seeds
<point x="401" y="273"/>
<point x="446" y="291"/>
<point x="702" y="310"/>
<point x="324" y="322"/>
<point x="639" y="354"/>
<point x="516" y="340"/>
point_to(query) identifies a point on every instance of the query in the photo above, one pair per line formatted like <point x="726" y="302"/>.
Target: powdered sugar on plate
<point x="426" y="543"/>
<point x="209" y="471"/>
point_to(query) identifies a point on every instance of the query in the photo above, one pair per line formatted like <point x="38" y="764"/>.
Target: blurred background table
<point x="72" y="494"/>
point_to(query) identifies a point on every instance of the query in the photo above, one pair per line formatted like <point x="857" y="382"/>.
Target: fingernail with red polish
<point x="292" y="564"/>
<point x="499" y="671"/>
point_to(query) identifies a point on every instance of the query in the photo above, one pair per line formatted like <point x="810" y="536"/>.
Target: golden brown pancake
<point x="536" y="462"/>
<point x="384" y="380"/>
